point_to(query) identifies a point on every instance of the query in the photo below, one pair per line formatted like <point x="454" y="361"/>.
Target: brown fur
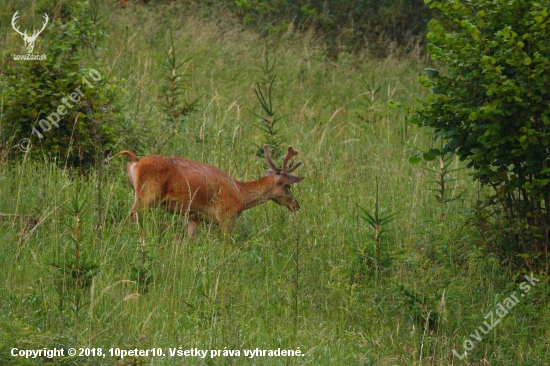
<point x="200" y="190"/>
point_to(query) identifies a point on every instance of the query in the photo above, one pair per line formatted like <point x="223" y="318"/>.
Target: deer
<point x="202" y="192"/>
<point x="29" y="40"/>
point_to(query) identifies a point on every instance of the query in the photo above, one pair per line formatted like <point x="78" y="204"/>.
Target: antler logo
<point x="29" y="40"/>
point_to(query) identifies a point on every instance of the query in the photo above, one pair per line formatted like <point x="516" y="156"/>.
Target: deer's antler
<point x="13" y="20"/>
<point x="269" y="161"/>
<point x="286" y="168"/>
<point x="24" y="34"/>
<point x="43" y="26"/>
<point x="289" y="169"/>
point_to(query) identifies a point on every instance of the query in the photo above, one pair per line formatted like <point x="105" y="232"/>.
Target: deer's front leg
<point x="226" y="221"/>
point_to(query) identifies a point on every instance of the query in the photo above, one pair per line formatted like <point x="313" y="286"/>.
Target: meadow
<point x="308" y="280"/>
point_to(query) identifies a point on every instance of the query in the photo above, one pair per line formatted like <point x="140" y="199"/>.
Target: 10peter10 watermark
<point x="62" y="109"/>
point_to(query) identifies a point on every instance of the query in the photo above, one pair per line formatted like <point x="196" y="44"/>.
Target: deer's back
<point x="186" y="183"/>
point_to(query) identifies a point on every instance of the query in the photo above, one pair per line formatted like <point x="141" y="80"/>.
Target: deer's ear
<point x="290" y="179"/>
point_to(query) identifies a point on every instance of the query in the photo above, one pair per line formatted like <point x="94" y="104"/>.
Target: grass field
<point x="284" y="280"/>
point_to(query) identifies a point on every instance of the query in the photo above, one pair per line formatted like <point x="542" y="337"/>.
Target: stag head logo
<point x="29" y="40"/>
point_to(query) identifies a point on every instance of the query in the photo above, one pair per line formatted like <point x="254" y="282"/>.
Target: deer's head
<point x="283" y="180"/>
<point x="29" y="40"/>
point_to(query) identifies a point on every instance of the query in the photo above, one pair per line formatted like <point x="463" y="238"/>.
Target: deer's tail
<point x="133" y="157"/>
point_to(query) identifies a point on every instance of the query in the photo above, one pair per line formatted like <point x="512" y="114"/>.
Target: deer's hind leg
<point x="144" y="197"/>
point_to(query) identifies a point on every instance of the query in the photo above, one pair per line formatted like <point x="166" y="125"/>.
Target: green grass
<point x="282" y="279"/>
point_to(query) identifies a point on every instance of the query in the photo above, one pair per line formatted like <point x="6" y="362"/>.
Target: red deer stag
<point x="202" y="191"/>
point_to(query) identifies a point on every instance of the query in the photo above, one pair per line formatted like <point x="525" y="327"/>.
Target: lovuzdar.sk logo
<point x="29" y="40"/>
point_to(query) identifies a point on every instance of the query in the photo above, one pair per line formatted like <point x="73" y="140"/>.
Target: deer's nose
<point x="294" y="206"/>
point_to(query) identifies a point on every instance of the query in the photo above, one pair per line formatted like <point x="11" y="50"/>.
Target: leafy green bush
<point x="490" y="105"/>
<point x="64" y="106"/>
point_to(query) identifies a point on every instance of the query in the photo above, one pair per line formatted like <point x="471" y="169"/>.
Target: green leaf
<point x="415" y="159"/>
<point x="429" y="72"/>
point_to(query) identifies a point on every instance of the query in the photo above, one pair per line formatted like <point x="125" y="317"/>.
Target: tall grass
<point x="282" y="279"/>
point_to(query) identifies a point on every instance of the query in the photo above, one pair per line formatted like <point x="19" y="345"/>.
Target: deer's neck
<point x="255" y="192"/>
